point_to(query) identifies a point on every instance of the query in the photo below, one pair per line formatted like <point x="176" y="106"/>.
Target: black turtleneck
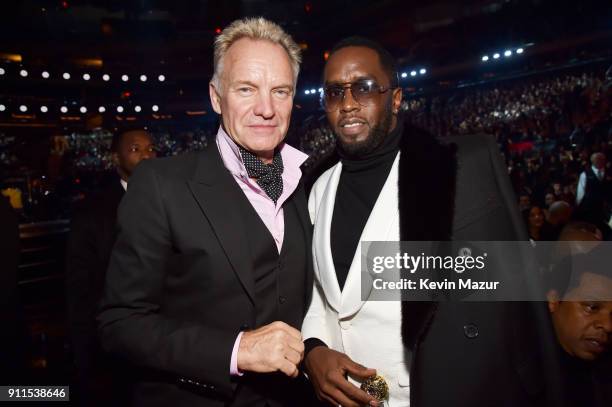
<point x="360" y="184"/>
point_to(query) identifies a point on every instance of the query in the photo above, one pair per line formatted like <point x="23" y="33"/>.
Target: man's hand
<point x="328" y="371"/>
<point x="274" y="347"/>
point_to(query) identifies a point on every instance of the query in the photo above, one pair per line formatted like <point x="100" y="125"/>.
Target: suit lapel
<point x="321" y="241"/>
<point x="377" y="228"/>
<point x="218" y="195"/>
<point x="427" y="183"/>
<point x="298" y="199"/>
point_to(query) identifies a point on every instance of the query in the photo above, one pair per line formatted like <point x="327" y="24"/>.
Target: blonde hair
<point x="257" y="28"/>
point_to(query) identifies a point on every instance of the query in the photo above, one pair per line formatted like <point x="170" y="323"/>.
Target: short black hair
<point x="387" y="61"/>
<point x="565" y="274"/>
<point x="121" y="132"/>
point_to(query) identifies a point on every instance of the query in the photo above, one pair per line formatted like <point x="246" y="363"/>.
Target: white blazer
<point x="369" y="332"/>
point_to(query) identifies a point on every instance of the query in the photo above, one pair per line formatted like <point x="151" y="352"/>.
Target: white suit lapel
<point x="321" y="241"/>
<point x="382" y="225"/>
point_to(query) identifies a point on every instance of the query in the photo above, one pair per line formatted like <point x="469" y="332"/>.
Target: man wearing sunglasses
<point x="395" y="183"/>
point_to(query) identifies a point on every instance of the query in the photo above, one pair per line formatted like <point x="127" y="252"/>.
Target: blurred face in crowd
<point x="549" y="199"/>
<point x="599" y="161"/>
<point x="360" y="126"/>
<point x="524" y="202"/>
<point x="583" y="318"/>
<point x="536" y="217"/>
<point x="557" y="188"/>
<point x="134" y="147"/>
<point x="256" y="95"/>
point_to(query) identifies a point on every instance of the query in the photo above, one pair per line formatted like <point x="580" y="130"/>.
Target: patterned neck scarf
<point x="268" y="176"/>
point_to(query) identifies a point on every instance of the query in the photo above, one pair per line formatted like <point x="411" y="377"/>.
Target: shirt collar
<point x="230" y="154"/>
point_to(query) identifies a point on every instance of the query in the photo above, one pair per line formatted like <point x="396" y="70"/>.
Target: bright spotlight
<point x="86" y="76"/>
<point x="2" y="71"/>
<point x="106" y="77"/>
<point x="66" y="75"/>
<point x="404" y="75"/>
<point x="413" y="73"/>
<point x="45" y="74"/>
<point x="64" y="109"/>
<point x="307" y="92"/>
<point x="161" y="78"/>
<point x="44" y="109"/>
<point x="519" y="51"/>
<point x="485" y="58"/>
<point x="2" y="108"/>
<point x="313" y="91"/>
<point x="143" y="78"/>
<point x="120" y="109"/>
<point x="83" y="109"/>
<point x="23" y="73"/>
<point x="423" y="71"/>
<point x="507" y="53"/>
<point x="320" y="90"/>
<point x="125" y="78"/>
<point x="137" y="109"/>
<point x="496" y="56"/>
<point x="23" y="108"/>
<point x="155" y="108"/>
<point x="101" y="109"/>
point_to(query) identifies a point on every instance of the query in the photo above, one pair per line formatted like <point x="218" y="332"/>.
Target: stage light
<point x="137" y="109"/>
<point x="2" y="108"/>
<point x="120" y="109"/>
<point x="485" y="58"/>
<point x="83" y="109"/>
<point x="64" y="109"/>
<point x="313" y="91"/>
<point x="155" y="108"/>
<point x="496" y="56"/>
<point x="23" y="73"/>
<point x="507" y="53"/>
<point x="45" y="74"/>
<point x="519" y="51"/>
<point x="23" y="108"/>
<point x="423" y="71"/>
<point x="101" y="109"/>
<point x="66" y="75"/>
<point x="413" y="73"/>
<point x="404" y="75"/>
<point x="86" y="76"/>
<point x="44" y="109"/>
<point x="307" y="92"/>
<point x="161" y="78"/>
<point x="2" y="71"/>
<point x="125" y="78"/>
<point x="320" y="90"/>
<point x="106" y="77"/>
<point x="143" y="78"/>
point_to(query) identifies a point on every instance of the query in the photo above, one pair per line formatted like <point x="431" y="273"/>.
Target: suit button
<point x="470" y="330"/>
<point x="282" y="299"/>
<point x="344" y="324"/>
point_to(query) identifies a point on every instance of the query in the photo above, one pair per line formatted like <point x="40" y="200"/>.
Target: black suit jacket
<point x="465" y="353"/>
<point x="92" y="236"/>
<point x="180" y="286"/>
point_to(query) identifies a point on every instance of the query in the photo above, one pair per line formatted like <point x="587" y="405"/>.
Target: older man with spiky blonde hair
<point x="211" y="275"/>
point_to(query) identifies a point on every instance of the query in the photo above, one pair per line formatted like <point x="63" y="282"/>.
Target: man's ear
<point x="215" y="99"/>
<point x="552" y="296"/>
<point x="397" y="99"/>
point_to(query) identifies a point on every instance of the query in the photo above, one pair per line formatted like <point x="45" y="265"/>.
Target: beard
<point x="375" y="138"/>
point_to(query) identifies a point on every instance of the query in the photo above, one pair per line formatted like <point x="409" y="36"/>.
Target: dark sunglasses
<point x="364" y="92"/>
